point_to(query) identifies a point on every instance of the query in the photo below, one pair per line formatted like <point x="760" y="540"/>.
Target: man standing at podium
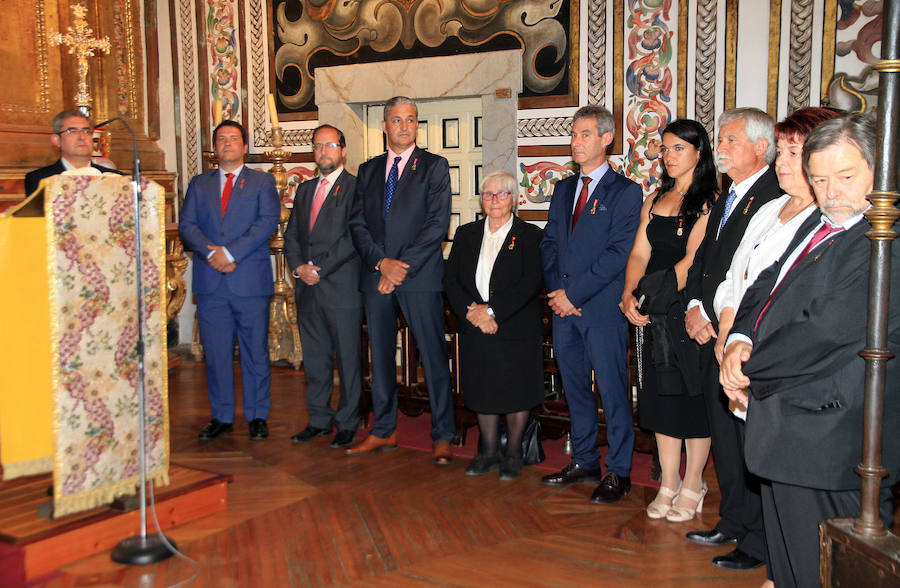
<point x="228" y="216"/>
<point x="73" y="135"/>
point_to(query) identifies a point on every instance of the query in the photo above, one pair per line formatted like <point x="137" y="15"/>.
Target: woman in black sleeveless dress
<point x="670" y="402"/>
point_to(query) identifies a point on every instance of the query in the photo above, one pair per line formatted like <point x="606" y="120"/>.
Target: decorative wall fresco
<point x="223" y="56"/>
<point x="327" y="32"/>
<point x="649" y="82"/>
<point x="537" y="181"/>
<point x="296" y="176"/>
<point x="858" y="31"/>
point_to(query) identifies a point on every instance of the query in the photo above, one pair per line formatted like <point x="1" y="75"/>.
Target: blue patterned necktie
<point x="728" y="205"/>
<point x="391" y="185"/>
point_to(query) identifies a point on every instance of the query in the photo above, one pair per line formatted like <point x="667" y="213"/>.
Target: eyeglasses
<point x="330" y="145"/>
<point x="86" y="131"/>
<point x="488" y="196"/>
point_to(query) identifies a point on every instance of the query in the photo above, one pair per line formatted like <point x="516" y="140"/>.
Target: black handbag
<point x="532" y="450"/>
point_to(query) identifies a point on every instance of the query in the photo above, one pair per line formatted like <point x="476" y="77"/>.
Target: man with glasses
<point x="73" y="135"/>
<point x="590" y="230"/>
<point x="326" y="266"/>
<point x="228" y="215"/>
<point x="400" y="217"/>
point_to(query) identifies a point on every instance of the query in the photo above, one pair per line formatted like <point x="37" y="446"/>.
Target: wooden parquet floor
<point x="306" y="515"/>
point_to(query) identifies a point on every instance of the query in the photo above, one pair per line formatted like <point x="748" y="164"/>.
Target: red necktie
<point x="321" y="192"/>
<point x="582" y="199"/>
<point x="226" y="191"/>
<point x="819" y="236"/>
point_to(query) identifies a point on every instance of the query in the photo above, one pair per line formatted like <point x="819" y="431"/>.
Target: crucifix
<point x="82" y="45"/>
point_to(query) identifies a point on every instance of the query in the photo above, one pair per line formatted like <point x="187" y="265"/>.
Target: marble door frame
<point x="343" y="91"/>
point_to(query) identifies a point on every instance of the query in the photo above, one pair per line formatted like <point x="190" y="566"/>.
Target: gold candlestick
<point x="284" y="334"/>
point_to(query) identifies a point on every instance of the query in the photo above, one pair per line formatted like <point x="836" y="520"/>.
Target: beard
<point x="837" y="212"/>
<point x="326" y="168"/>
<point x="723" y="164"/>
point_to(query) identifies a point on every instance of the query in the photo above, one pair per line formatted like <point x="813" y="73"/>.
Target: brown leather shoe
<point x="441" y="453"/>
<point x="373" y="443"/>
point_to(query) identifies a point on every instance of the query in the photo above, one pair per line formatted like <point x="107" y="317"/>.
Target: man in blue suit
<point x="590" y="230"/>
<point x="400" y="217"/>
<point x="228" y="216"/>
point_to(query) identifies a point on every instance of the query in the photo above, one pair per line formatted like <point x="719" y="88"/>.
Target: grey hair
<point x="605" y="121"/>
<point x="506" y="181"/>
<point x="59" y="118"/>
<point x="399" y="100"/>
<point x="757" y="125"/>
<point x="856" y="129"/>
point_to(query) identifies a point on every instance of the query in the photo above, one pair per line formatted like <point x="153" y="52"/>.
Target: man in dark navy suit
<point x="228" y="216"/>
<point x="590" y="230"/>
<point x="400" y="217"/>
<point x="73" y="135"/>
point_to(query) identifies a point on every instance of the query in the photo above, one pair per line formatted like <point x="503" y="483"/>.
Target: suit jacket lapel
<point x="214" y="192"/>
<point x="507" y="248"/>
<point x="330" y="202"/>
<point x="813" y="256"/>
<point x="303" y="204"/>
<point x="474" y="253"/>
<point x="409" y="170"/>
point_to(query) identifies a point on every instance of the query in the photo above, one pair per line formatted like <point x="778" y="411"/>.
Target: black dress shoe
<point x="308" y="434"/>
<point x="214" y="428"/>
<point x="737" y="560"/>
<point x="510" y="468"/>
<point x="612" y="488"/>
<point x="572" y="473"/>
<point x="483" y="464"/>
<point x="259" y="430"/>
<point x="343" y="439"/>
<point x="711" y="537"/>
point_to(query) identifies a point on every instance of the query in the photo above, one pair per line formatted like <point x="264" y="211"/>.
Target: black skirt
<point x="500" y="376"/>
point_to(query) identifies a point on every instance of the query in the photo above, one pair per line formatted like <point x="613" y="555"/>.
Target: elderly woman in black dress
<point x="492" y="280"/>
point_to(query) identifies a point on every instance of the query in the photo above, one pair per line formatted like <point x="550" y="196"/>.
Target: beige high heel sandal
<point x="658" y="510"/>
<point x="680" y="514"/>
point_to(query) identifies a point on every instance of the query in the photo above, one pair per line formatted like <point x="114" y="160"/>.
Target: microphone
<point x="136" y="171"/>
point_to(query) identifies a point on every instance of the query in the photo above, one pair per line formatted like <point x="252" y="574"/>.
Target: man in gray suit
<point x="325" y="264"/>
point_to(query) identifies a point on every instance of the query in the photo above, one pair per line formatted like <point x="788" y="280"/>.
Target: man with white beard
<point x="745" y="147"/>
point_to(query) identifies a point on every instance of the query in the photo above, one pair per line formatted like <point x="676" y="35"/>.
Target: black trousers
<point x="792" y="515"/>
<point x="740" y="509"/>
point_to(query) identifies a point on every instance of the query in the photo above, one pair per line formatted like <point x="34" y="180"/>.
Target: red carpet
<point x="415" y="433"/>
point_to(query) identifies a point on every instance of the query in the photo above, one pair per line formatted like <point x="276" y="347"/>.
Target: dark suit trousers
<point x="792" y="515"/>
<point x="740" y="509"/>
<point x="326" y="333"/>
<point x="578" y="350"/>
<point x="220" y="315"/>
<point x="424" y="313"/>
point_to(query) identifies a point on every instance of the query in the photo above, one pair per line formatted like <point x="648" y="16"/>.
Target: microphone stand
<point x="139" y="549"/>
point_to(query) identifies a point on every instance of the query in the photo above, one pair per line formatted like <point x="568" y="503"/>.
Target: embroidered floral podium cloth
<point x="90" y="273"/>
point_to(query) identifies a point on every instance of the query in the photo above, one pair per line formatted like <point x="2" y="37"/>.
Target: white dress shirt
<point x="490" y="248"/>
<point x="740" y="190"/>
<point x="764" y="241"/>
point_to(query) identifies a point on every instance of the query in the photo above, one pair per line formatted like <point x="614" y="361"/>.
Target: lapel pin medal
<point x="749" y="203"/>
<point x="512" y="244"/>
<point x="415" y="162"/>
<point x="241" y="185"/>
<point x="594" y="207"/>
